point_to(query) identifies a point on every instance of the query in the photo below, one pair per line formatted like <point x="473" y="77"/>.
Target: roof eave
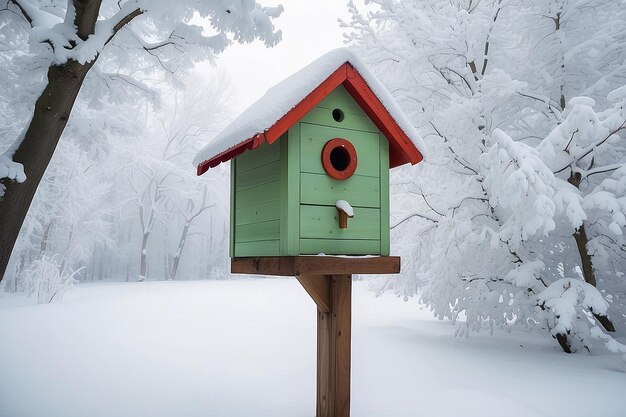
<point x="402" y="150"/>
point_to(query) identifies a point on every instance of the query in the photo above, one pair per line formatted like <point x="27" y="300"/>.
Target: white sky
<point x="310" y="29"/>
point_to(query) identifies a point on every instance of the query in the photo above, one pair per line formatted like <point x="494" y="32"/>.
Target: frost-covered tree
<point x="191" y="116"/>
<point x="112" y="45"/>
<point x="164" y="188"/>
<point x="571" y="48"/>
<point x="587" y="156"/>
<point x="70" y="214"/>
<point x="495" y="222"/>
<point x="86" y="215"/>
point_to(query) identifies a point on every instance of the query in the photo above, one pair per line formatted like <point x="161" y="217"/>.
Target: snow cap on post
<point x="288" y="101"/>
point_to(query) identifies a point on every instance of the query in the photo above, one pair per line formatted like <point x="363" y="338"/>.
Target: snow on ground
<point x="247" y="348"/>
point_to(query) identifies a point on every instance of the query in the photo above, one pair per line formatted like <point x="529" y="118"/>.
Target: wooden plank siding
<point x="339" y="246"/>
<point x="320" y="222"/>
<point x="262" y="155"/>
<point x="314" y="138"/>
<point x="260" y="194"/>
<point x="259" y="248"/>
<point x="253" y="232"/>
<point x="321" y="189"/>
<point x="257" y="202"/>
<point x="354" y="116"/>
<point x="323" y="117"/>
<point x="258" y="176"/>
<point x="283" y="202"/>
<point x="319" y="231"/>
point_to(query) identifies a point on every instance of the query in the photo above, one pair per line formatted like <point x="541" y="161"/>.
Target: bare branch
<point x="570" y="139"/>
<point x="592" y="147"/>
<point x="456" y="156"/>
<point x="486" y="53"/>
<point x="601" y="170"/>
<point x="546" y="100"/>
<point x="121" y="21"/>
<point x="421" y="193"/>
<point x="483" y="199"/>
<point x="26" y="16"/>
<point x="462" y="78"/>
<point x="472" y="66"/>
<point x="421" y="216"/>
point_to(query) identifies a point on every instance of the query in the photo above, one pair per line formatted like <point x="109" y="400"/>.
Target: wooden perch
<point x="343" y="218"/>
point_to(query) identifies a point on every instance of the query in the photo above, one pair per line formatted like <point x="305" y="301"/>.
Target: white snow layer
<point x="285" y="95"/>
<point x="247" y="348"/>
<point x="346" y="207"/>
<point x="11" y="170"/>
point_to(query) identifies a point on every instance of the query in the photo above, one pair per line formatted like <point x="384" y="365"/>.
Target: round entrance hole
<point x="338" y="115"/>
<point x="339" y="158"/>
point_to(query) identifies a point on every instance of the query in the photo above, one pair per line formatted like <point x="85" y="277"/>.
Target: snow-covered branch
<point x="601" y="170"/>
<point x="34" y="14"/>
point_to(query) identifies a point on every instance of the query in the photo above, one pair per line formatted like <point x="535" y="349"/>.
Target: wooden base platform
<point x="328" y="280"/>
<point x="292" y="266"/>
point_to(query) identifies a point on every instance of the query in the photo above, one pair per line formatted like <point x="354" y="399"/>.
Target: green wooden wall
<point x="283" y="202"/>
<point x="319" y="231"/>
<point x="255" y="208"/>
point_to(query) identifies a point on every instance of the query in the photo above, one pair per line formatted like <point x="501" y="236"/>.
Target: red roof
<point x="401" y="148"/>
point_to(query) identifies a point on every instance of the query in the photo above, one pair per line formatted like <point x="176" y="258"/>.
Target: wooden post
<point x="333" y="349"/>
<point x="328" y="280"/>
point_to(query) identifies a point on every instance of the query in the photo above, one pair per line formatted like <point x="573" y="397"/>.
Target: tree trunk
<point x="580" y="235"/>
<point x="52" y="111"/>
<point x="100" y="268"/>
<point x="44" y="240"/>
<point x="564" y="342"/>
<point x="143" y="264"/>
<point x="179" y="251"/>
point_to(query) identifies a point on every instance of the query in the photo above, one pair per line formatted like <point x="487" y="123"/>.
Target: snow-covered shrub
<point x="566" y="302"/>
<point x="566" y="307"/>
<point x="47" y="279"/>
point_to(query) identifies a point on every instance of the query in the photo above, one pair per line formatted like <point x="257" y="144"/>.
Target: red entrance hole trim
<point x="332" y="168"/>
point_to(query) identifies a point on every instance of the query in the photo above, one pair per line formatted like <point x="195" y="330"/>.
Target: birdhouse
<point x="310" y="168"/>
<point x="310" y="163"/>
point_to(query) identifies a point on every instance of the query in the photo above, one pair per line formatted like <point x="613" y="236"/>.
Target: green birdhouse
<point x="310" y="163"/>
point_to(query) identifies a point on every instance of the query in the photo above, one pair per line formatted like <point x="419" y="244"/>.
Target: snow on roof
<point x="285" y="95"/>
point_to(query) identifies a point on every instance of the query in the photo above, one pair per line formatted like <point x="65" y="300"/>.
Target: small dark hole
<point x="338" y="115"/>
<point x="339" y="158"/>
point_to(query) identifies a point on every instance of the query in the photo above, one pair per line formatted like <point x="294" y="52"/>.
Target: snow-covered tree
<point x="517" y="165"/>
<point x="86" y="215"/>
<point x="111" y="45"/>
<point x="70" y="214"/>
<point x="586" y="155"/>
<point x="164" y="188"/>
